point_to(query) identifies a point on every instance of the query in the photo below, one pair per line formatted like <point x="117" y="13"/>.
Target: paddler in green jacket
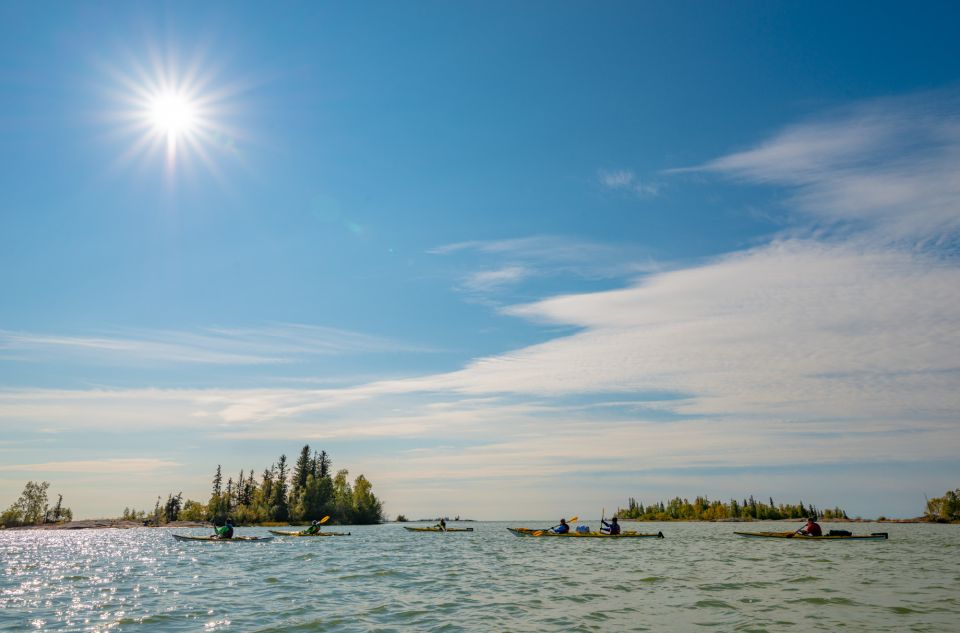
<point x="225" y="531"/>
<point x="313" y="529"/>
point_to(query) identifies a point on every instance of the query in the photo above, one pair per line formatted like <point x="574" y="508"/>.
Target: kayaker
<point x="225" y="531"/>
<point x="442" y="525"/>
<point x="314" y="528"/>
<point x="812" y="528"/>
<point x="613" y="527"/>
<point x="563" y="528"/>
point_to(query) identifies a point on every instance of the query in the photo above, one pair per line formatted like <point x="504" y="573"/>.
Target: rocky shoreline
<point x="99" y="524"/>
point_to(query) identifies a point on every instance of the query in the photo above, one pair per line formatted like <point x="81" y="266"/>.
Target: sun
<point x="184" y="113"/>
<point x="173" y="115"/>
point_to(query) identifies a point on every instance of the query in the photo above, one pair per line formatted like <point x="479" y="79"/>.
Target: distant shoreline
<point x="916" y="520"/>
<point x="119" y="524"/>
<point x="95" y="524"/>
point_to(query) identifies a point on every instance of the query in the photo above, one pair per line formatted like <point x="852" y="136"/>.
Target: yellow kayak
<point x="575" y="534"/>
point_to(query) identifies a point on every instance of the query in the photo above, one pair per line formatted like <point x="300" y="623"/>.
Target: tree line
<point x="702" y="509"/>
<point x="308" y="491"/>
<point x="33" y="508"/>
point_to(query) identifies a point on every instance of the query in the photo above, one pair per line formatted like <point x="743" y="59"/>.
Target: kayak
<point x="235" y="539"/>
<point x="876" y="536"/>
<point x="532" y="532"/>
<point x="282" y="533"/>
<point x="436" y="529"/>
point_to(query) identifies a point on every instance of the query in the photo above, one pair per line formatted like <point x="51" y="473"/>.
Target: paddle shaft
<point x="539" y="532"/>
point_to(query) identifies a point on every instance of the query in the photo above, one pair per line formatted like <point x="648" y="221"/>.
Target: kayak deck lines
<point x="235" y="539"/>
<point x="287" y="533"/>
<point x="436" y="529"/>
<point x="547" y="533"/>
<point x="875" y="536"/>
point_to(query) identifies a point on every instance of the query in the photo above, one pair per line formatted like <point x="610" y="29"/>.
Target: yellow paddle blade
<point x="324" y="520"/>
<point x="572" y="519"/>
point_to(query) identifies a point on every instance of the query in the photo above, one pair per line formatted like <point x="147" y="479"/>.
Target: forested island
<point x="308" y="491"/>
<point x="702" y="509"/>
<point x="945" y="509"/>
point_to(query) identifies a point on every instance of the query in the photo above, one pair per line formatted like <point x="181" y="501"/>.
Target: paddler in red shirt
<point x="812" y="528"/>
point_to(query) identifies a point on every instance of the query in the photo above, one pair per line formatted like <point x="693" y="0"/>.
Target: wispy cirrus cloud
<point x="626" y="180"/>
<point x="269" y="344"/>
<point x="521" y="259"/>
<point x="889" y="166"/>
<point x="487" y="280"/>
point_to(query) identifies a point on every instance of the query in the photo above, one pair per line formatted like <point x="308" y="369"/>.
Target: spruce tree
<point x="278" y="502"/>
<point x="301" y="471"/>
<point x="217" y="482"/>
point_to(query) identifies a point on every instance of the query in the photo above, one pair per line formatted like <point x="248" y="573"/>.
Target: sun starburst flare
<point x="179" y="114"/>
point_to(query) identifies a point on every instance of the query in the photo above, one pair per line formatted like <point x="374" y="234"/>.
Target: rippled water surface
<point x="383" y="578"/>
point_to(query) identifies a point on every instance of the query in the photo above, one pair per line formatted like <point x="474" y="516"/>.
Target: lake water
<point x="383" y="578"/>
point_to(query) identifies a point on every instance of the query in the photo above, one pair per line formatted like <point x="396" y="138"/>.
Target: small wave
<point x="903" y="610"/>
<point x="725" y="586"/>
<point x="804" y="579"/>
<point x="713" y="604"/>
<point x="652" y="579"/>
<point x="822" y="601"/>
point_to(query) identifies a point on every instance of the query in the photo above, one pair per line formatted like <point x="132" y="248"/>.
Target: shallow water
<point x="383" y="578"/>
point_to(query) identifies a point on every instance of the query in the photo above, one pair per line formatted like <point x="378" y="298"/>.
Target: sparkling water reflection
<point x="384" y="578"/>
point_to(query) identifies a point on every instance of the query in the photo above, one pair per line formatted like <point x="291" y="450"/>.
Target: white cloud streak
<point x="94" y="466"/>
<point x="271" y="344"/>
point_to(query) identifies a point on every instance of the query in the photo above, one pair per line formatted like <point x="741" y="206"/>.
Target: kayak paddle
<point x="540" y="532"/>
<point x="320" y="522"/>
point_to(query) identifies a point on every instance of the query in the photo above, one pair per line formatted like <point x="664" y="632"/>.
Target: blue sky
<point x="504" y="260"/>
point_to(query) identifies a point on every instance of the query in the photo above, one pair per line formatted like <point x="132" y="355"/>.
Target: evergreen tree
<point x="250" y="488"/>
<point x="301" y="470"/>
<point x="228" y="497"/>
<point x="217" y="482"/>
<point x="278" y="500"/>
<point x="239" y="490"/>
<point x="58" y="513"/>
<point x="171" y="509"/>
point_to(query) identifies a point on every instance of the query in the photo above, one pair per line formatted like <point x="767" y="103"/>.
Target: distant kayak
<point x="436" y="529"/>
<point x="876" y="536"/>
<point x="235" y="539"/>
<point x="282" y="533"/>
<point x="574" y="534"/>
